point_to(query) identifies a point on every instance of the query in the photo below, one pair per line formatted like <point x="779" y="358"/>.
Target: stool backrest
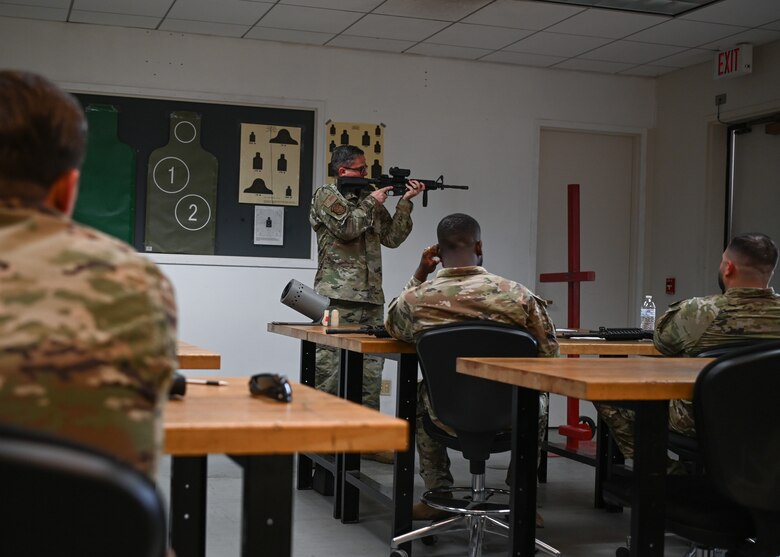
<point x="737" y="415"/>
<point x="465" y="403"/>
<point x="58" y="497"/>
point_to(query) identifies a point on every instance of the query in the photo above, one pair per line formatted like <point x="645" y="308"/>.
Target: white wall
<point x="685" y="208"/>
<point x="475" y="122"/>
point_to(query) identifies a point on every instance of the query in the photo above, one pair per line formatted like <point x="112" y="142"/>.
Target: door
<point x="605" y="166"/>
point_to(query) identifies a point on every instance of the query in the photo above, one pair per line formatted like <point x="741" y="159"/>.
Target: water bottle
<point x="647" y="314"/>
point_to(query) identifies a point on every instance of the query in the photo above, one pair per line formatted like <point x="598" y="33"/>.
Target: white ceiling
<point x="528" y="33"/>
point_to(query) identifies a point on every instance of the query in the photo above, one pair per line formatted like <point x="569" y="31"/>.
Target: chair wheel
<point x="622" y="552"/>
<point x="398" y="553"/>
<point x="429" y="540"/>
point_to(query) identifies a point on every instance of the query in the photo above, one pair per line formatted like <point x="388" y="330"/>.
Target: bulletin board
<point x="146" y="127"/>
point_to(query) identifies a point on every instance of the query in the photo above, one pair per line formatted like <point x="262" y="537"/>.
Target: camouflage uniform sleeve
<point x="400" y="316"/>
<point x="331" y="210"/>
<point x="541" y="327"/>
<point x="394" y="230"/>
<point x="680" y="328"/>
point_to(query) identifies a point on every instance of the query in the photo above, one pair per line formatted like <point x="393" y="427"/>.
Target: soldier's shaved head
<point x="457" y="231"/>
<point x="43" y="134"/>
<point x="754" y="250"/>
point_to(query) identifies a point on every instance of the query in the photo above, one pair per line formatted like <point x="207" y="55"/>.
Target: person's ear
<point x="478" y="247"/>
<point x="63" y="192"/>
<point x="729" y="268"/>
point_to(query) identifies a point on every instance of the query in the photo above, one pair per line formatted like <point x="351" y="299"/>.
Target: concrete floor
<point x="572" y="525"/>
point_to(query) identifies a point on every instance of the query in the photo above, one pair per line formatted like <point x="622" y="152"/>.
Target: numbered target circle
<point x="192" y="212"/>
<point x="171" y="174"/>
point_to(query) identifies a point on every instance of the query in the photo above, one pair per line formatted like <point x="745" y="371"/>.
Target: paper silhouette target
<point x="278" y="181"/>
<point x="368" y="137"/>
<point x="181" y="191"/>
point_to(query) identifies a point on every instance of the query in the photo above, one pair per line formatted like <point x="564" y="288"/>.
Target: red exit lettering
<point x="728" y="61"/>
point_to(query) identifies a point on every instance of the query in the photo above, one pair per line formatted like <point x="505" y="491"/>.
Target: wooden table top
<point x="601" y="347"/>
<point x="361" y="343"/>
<point x="229" y="420"/>
<point x="195" y="357"/>
<point x="594" y="378"/>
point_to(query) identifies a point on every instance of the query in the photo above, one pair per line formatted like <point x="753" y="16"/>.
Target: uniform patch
<point x="338" y="208"/>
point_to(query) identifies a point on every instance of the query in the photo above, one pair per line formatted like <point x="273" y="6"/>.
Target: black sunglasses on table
<point x="271" y="385"/>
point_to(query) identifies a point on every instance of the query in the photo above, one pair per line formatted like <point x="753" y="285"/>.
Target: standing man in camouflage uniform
<point x="87" y="326"/>
<point x="747" y="310"/>
<point x="351" y="227"/>
<point x="461" y="291"/>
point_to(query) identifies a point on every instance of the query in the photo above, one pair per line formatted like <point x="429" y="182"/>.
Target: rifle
<point x="379" y="331"/>
<point x="398" y="178"/>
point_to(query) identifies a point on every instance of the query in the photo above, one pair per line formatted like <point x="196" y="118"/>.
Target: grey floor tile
<point x="572" y="525"/>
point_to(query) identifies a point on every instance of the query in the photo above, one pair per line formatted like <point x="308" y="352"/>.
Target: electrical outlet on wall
<point x="720" y="99"/>
<point x="387" y="384"/>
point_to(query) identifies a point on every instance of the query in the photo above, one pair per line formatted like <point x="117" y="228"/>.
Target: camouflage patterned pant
<point x="327" y="367"/>
<point x="621" y="423"/>
<point x="434" y="462"/>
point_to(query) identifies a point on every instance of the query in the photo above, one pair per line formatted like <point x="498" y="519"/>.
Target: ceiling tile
<point x="288" y="36"/>
<point x="557" y="44"/>
<point x="368" y="43"/>
<point x="592" y="66"/>
<point x="631" y="52"/>
<point x="606" y="23"/>
<point x="364" y="6"/>
<point x="451" y="10"/>
<point x="33" y="12"/>
<point x="224" y="11"/>
<point x="773" y="25"/>
<point x="687" y="58"/>
<point x="681" y="32"/>
<point x="204" y="27"/>
<point x="478" y="36"/>
<point x="133" y="7"/>
<point x="523" y="59"/>
<point x="749" y="13"/>
<point x="754" y="37"/>
<point x="447" y="51"/>
<point x="392" y="27"/>
<point x="308" y="19"/>
<point x="522" y="15"/>
<point x="648" y="70"/>
<point x="120" y="20"/>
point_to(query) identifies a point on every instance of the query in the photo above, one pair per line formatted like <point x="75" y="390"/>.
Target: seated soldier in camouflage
<point x="748" y="309"/>
<point x="461" y="291"/>
<point x="87" y="325"/>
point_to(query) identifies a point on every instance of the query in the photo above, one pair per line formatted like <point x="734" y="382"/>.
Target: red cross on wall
<point x="573" y="430"/>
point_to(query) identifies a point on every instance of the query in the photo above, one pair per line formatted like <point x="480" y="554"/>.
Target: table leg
<point x="649" y="480"/>
<point x="188" y="505"/>
<point x="347" y="504"/>
<point x="266" y="519"/>
<point x="403" y="470"/>
<point x="522" y="518"/>
<point x="307" y="372"/>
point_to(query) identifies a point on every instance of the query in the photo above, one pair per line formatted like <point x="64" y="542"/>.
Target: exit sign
<point x="735" y="61"/>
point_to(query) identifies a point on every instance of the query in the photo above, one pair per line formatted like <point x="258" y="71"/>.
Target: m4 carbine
<point x="378" y="331"/>
<point x="398" y="178"/>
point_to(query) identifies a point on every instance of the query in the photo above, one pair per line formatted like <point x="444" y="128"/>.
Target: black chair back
<point x="60" y="498"/>
<point x="469" y="405"/>
<point x="737" y="416"/>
